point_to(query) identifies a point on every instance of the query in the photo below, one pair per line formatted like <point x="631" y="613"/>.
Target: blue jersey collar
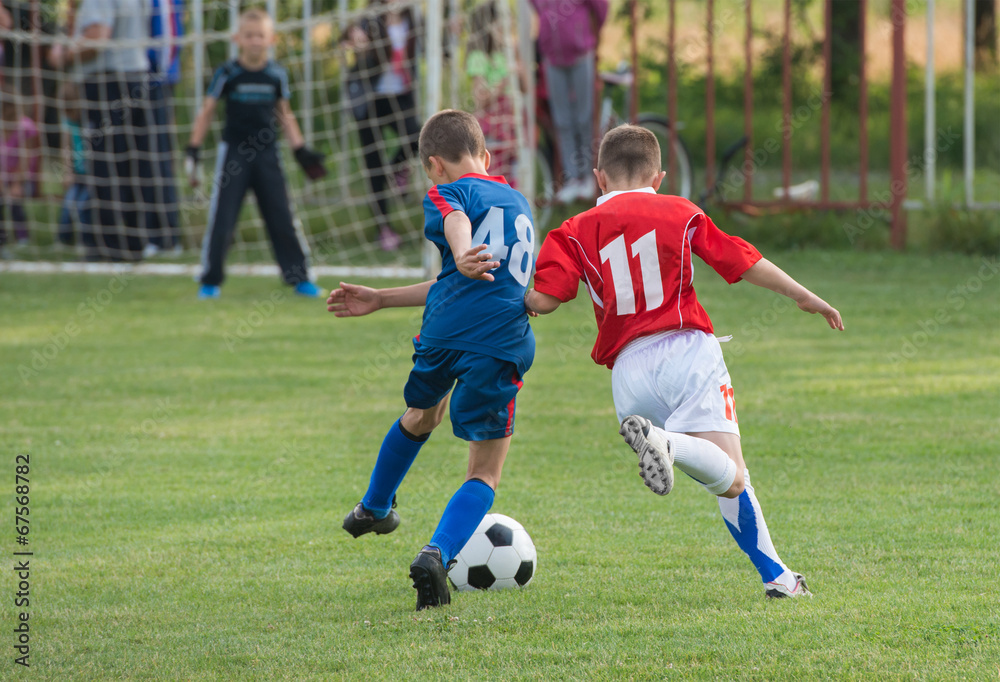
<point x="492" y="178"/>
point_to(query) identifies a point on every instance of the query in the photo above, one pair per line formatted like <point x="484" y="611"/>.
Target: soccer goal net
<point x="362" y="76"/>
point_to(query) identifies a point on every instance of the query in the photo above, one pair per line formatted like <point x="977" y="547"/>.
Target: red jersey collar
<point x="491" y="178"/>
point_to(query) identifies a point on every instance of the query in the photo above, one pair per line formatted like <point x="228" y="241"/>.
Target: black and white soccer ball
<point x="499" y="555"/>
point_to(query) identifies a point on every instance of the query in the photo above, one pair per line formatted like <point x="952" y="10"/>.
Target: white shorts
<point x="677" y="380"/>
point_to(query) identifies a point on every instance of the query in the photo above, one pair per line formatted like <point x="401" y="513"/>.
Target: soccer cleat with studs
<point x="779" y="591"/>
<point x="656" y="457"/>
<point x="361" y="521"/>
<point x="430" y="578"/>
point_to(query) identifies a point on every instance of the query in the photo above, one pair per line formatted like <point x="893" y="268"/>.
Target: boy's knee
<point x="738" y="486"/>
<point x="421" y="422"/>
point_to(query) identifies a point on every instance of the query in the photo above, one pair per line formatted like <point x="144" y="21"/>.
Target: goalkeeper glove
<point x="311" y="162"/>
<point x="192" y="165"/>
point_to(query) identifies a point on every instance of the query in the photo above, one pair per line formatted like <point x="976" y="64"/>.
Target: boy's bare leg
<point x="486" y="458"/>
<point x="715" y="459"/>
<point x="729" y="443"/>
<point x="461" y="517"/>
<point x="422" y="422"/>
<point x="743" y="516"/>
<point x="374" y="514"/>
<point x="473" y="499"/>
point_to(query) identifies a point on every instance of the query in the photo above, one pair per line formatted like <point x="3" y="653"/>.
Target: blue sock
<point x="394" y="459"/>
<point x="745" y="520"/>
<point x="465" y="510"/>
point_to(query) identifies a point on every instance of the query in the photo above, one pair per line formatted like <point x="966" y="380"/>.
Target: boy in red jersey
<point x="671" y="388"/>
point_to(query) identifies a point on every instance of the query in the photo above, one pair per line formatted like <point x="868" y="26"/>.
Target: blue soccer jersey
<point x="476" y="315"/>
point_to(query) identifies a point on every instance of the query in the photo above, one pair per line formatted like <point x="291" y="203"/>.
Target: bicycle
<point x="547" y="166"/>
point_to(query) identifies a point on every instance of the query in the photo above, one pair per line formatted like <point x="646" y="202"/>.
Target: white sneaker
<point x="656" y="456"/>
<point x="568" y="193"/>
<point x="150" y="250"/>
<point x="586" y="190"/>
<point x="779" y="591"/>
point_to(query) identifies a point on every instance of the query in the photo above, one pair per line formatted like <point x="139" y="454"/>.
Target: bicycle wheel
<point x="660" y="126"/>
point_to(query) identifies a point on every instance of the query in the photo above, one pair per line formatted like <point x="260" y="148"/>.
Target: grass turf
<point x="191" y="463"/>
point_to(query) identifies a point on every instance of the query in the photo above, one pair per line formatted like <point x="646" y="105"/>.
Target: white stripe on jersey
<point x="686" y="241"/>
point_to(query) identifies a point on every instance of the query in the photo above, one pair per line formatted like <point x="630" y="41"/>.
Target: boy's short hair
<point x="450" y="135"/>
<point x="629" y="152"/>
<point x="255" y="14"/>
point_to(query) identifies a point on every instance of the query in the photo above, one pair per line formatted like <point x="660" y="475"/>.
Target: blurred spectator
<point x="75" y="214"/>
<point x="115" y="78"/>
<point x="380" y="88"/>
<point x="17" y="52"/>
<point x="487" y="67"/>
<point x="166" y="25"/>
<point x="23" y="59"/>
<point x="19" y="157"/>
<point x="567" y="39"/>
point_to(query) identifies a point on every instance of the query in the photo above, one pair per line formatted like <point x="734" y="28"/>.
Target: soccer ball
<point x="500" y="554"/>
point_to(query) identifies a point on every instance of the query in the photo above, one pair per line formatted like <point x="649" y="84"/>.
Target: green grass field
<point x="191" y="462"/>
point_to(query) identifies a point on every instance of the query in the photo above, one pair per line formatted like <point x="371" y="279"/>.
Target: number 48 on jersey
<point x="521" y="254"/>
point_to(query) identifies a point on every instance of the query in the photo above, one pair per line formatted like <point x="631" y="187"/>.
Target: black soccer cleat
<point x="361" y="521"/>
<point x="430" y="578"/>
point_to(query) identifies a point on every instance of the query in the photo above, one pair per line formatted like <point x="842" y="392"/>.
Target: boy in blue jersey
<point x="474" y="341"/>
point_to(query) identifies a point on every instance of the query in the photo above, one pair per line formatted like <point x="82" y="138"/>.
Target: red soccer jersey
<point x="633" y="252"/>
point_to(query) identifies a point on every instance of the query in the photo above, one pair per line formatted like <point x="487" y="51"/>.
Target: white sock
<point x="745" y="520"/>
<point x="702" y="460"/>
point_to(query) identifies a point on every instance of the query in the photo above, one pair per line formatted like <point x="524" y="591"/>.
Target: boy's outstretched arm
<point x="766" y="274"/>
<point x="354" y="300"/>
<point x="471" y="262"/>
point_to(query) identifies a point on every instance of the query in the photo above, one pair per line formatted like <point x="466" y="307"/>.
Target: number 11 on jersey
<point x="616" y="256"/>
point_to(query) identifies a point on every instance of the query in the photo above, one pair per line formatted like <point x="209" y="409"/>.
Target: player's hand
<point x="815" y="304"/>
<point x="475" y="264"/>
<point x="192" y="165"/>
<point x="311" y="162"/>
<point x="353" y="300"/>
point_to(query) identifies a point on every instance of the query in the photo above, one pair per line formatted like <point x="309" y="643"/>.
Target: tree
<point x="985" y="23"/>
<point x="846" y="48"/>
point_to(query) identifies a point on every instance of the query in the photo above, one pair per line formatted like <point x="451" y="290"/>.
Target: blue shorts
<point x="485" y="389"/>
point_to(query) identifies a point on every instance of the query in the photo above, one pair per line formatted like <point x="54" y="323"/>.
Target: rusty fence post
<point x="897" y="153"/>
